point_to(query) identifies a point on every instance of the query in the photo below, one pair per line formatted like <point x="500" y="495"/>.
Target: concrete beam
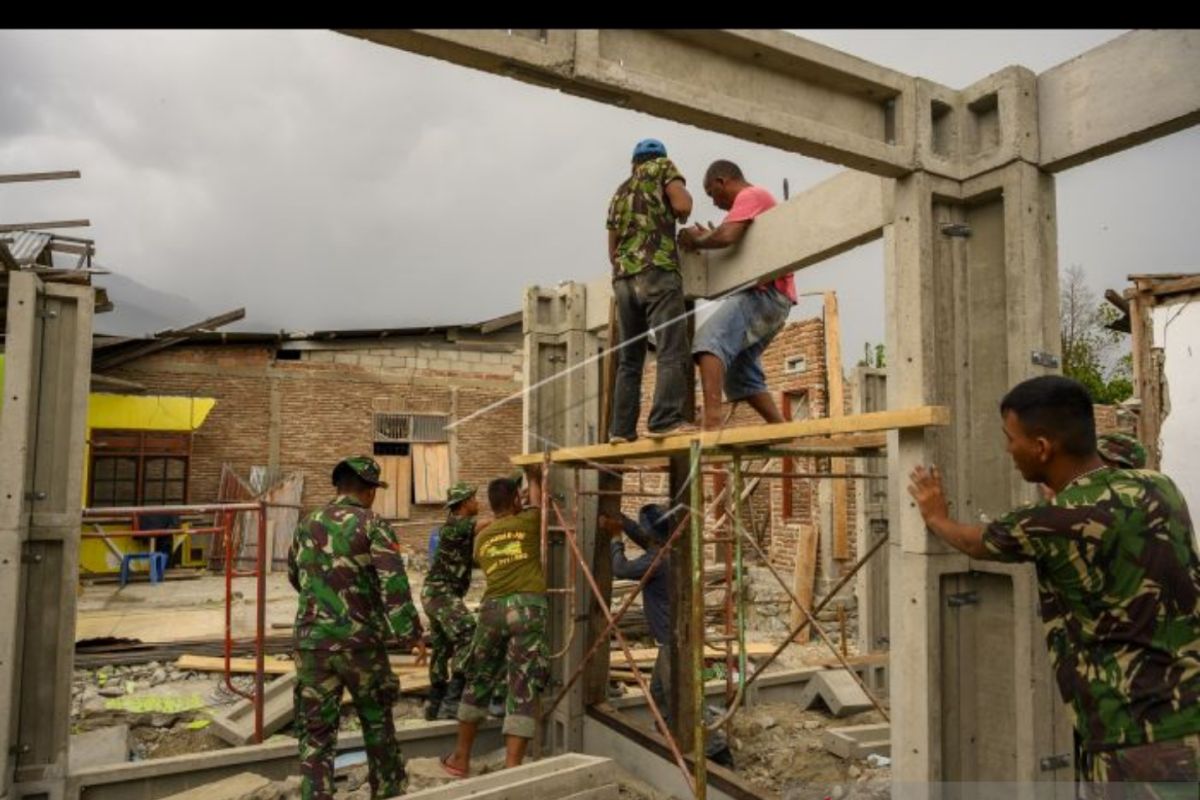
<point x="1136" y="88"/>
<point x="832" y="217"/>
<point x="766" y="87"/>
<point x="645" y="756"/>
<point x="556" y="777"/>
<point x="836" y="215"/>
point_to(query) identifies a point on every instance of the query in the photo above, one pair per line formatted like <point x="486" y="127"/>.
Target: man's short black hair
<point x="642" y="158"/>
<point x="1058" y="408"/>
<point x="723" y="169"/>
<point x="346" y="481"/>
<point x="502" y="492"/>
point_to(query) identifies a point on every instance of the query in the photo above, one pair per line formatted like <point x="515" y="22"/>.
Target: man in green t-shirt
<point x="509" y="646"/>
<point x="1118" y="582"/>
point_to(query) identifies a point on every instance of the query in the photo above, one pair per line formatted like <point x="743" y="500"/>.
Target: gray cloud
<point x="322" y="181"/>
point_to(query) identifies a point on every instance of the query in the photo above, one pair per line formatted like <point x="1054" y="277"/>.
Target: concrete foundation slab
<point x="858" y="741"/>
<point x="569" y="775"/>
<point x="236" y="725"/>
<point x="99" y="747"/>
<point x="838" y="691"/>
<point x="161" y="777"/>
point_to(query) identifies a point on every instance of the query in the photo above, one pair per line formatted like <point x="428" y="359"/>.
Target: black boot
<point x="436" y="692"/>
<point x="454" y="690"/>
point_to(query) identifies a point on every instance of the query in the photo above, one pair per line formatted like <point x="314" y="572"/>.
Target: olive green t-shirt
<point x="509" y="553"/>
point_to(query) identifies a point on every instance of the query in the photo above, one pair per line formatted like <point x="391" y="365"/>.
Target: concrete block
<point x="234" y="788"/>
<point x="858" y="741"/>
<point x="838" y="691"/>
<point x="99" y="747"/>
<point x="236" y="725"/>
<point x="554" y="778"/>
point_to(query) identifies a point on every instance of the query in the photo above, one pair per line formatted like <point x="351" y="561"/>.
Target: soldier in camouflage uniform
<point x="509" y="647"/>
<point x="648" y="290"/>
<point x="451" y="625"/>
<point x="1119" y="450"/>
<point x="354" y="597"/>
<point x="1119" y="584"/>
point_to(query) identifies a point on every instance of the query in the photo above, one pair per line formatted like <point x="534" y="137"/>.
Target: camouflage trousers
<point x="509" y="649"/>
<point x="321" y="675"/>
<point x="451" y="627"/>
<point x="1158" y="771"/>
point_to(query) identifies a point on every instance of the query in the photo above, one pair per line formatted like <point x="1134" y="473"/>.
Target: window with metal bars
<point x="404" y="427"/>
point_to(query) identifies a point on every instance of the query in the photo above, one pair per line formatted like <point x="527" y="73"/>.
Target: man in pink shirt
<point x="729" y="345"/>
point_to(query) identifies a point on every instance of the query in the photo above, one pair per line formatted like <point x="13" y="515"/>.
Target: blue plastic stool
<point x="158" y="565"/>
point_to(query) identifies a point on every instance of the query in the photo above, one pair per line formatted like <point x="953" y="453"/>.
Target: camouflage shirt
<point x="641" y="215"/>
<point x="450" y="572"/>
<point x="1119" y="587"/>
<point x="345" y="563"/>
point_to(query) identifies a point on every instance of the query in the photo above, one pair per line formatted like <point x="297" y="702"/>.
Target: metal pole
<point x="697" y="621"/>
<point x="741" y="584"/>
<point x="261" y="624"/>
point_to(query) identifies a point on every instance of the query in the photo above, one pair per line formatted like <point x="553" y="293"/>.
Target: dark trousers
<point x="653" y="298"/>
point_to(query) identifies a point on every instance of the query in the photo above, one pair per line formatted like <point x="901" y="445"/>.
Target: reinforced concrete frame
<point x="958" y="183"/>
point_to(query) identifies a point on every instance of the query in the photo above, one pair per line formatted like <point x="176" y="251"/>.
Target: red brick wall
<point x="804" y="338"/>
<point x="325" y="410"/>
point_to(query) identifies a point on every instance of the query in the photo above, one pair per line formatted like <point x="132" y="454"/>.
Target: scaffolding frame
<point x="732" y="638"/>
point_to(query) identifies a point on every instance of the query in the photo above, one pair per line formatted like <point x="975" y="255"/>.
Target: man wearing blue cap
<point x="649" y="291"/>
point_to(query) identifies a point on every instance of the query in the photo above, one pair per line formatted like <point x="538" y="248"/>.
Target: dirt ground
<point x="776" y="746"/>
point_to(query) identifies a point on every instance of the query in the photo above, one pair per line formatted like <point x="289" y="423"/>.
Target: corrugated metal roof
<point x="26" y="246"/>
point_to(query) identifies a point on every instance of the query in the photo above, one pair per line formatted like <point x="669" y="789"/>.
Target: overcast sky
<point x="322" y="181"/>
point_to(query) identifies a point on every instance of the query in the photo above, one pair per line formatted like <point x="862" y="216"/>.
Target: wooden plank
<point x="22" y="177"/>
<point x="749" y="435"/>
<point x="33" y="226"/>
<point x="805" y="576"/>
<point x="646" y="655"/>
<point x="441" y="473"/>
<point x="424" y="464"/>
<point x="385" y="499"/>
<point x="403" y="486"/>
<point x="837" y="400"/>
<point x="1190" y="283"/>
<point x="413" y="676"/>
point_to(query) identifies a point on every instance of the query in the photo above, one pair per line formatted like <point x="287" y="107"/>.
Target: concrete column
<point x="561" y="409"/>
<point x="972" y="297"/>
<point x="47" y="375"/>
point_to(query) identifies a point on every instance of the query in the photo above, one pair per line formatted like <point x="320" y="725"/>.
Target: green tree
<point x="1091" y="353"/>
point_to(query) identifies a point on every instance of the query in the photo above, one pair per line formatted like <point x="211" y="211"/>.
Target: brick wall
<point x="325" y="403"/>
<point x="804" y="339"/>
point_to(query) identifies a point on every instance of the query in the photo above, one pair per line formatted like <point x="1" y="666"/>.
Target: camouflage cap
<point x="1119" y="450"/>
<point x="459" y="492"/>
<point x="364" y="467"/>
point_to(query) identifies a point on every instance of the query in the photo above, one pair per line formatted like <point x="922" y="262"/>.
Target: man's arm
<point x="612" y="248"/>
<point x="926" y="488"/>
<point x="628" y="570"/>
<point x="680" y="199"/>
<point x="393" y="583"/>
<point x="724" y="235"/>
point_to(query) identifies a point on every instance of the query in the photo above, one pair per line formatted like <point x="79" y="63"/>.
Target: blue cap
<point x="651" y="147"/>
